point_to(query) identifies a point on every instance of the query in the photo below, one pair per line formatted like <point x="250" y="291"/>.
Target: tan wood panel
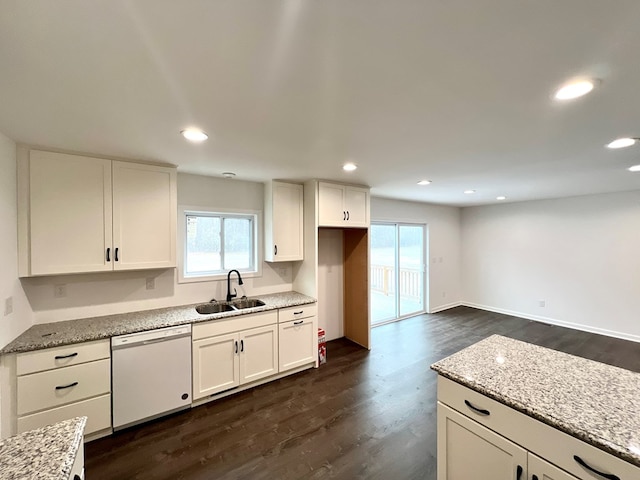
<point x="356" y="286"/>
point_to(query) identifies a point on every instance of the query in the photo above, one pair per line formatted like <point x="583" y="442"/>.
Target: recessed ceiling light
<point x="349" y="167"/>
<point x="635" y="168"/>
<point x="469" y="192"/>
<point x="501" y="197"/>
<point x="194" y="135"/>
<point x="424" y="182"/>
<point x="228" y="174"/>
<point x="622" y="142"/>
<point x="575" y="89"/>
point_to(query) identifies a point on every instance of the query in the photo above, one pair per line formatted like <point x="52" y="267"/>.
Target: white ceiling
<point x="455" y="91"/>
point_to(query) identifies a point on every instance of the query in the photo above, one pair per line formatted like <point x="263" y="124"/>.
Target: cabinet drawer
<point x="233" y="324"/>
<point x="97" y="410"/>
<point x="38" y="391"/>
<point x="41" y="360"/>
<point x="539" y="438"/>
<point x="298" y="312"/>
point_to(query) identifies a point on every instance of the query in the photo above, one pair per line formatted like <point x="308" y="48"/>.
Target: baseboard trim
<point x="441" y="308"/>
<point x="554" y="321"/>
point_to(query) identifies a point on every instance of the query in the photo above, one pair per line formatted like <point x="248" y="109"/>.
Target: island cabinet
<point x="234" y="351"/>
<point x="83" y="214"/>
<point x="58" y="383"/>
<point x="482" y="439"/>
<point x="298" y="336"/>
<point x="342" y="205"/>
<point x="283" y="206"/>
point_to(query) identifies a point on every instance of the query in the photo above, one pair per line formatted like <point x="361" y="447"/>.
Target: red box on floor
<point x="322" y="347"/>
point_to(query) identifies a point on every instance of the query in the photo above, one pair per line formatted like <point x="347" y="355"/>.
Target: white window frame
<point x="184" y="211"/>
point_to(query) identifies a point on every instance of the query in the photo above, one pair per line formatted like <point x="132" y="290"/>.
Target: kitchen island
<point x="54" y="452"/>
<point x="578" y="416"/>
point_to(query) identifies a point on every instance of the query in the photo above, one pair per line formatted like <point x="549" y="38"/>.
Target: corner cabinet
<point x="283" y="221"/>
<point x="483" y="439"/>
<point x="82" y="214"/>
<point x="342" y="205"/>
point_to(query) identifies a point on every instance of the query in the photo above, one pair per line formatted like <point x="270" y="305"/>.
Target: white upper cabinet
<point x="342" y="205"/>
<point x="144" y="216"/>
<point x="70" y="213"/>
<point x="283" y="205"/>
<point x="82" y="214"/>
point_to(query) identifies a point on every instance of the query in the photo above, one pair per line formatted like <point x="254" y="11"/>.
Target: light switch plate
<point x="8" y="306"/>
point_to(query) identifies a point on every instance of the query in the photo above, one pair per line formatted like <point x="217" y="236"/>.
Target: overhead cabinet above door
<point x="83" y="214"/>
<point x="342" y="206"/>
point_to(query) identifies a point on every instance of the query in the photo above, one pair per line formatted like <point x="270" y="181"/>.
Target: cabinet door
<point x="297" y="341"/>
<point x="144" y="216"/>
<point x="357" y="206"/>
<point x="467" y="450"/>
<point x="542" y="470"/>
<point x="331" y="212"/>
<point x="215" y="365"/>
<point x="284" y="232"/>
<point x="258" y="353"/>
<point x="70" y="213"/>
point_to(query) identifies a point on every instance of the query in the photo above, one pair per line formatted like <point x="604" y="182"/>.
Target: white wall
<point x="444" y="244"/>
<point x="118" y="292"/>
<point x="331" y="282"/>
<point x="15" y="323"/>
<point x="579" y="255"/>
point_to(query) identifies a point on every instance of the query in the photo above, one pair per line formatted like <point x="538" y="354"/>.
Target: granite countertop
<point x="46" y="335"/>
<point x="592" y="401"/>
<point x="46" y="453"/>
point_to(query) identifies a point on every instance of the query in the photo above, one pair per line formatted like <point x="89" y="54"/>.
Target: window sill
<point x="217" y="277"/>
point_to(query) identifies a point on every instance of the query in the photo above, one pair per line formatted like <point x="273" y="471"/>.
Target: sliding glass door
<point x="397" y="271"/>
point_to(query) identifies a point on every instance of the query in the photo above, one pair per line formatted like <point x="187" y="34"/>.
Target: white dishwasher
<point x="151" y="374"/>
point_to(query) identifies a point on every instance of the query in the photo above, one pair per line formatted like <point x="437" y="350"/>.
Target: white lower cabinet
<point x="59" y="383"/>
<point x="298" y="336"/>
<point x="481" y="439"/>
<point x="232" y="352"/>
<point x="467" y="450"/>
<point x="77" y="470"/>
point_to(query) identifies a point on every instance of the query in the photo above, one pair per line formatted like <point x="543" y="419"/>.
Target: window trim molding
<point x="183" y="210"/>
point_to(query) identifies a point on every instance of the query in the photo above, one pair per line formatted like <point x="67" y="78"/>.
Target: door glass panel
<point x="383" y="280"/>
<point x="411" y="275"/>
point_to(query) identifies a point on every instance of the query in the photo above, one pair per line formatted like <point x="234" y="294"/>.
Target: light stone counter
<point x="46" y="453"/>
<point x="48" y="335"/>
<point x="594" y="402"/>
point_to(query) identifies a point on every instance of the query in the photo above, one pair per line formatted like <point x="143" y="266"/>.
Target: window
<point x="216" y="242"/>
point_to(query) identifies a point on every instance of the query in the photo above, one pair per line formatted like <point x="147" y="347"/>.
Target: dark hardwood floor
<point x="362" y="415"/>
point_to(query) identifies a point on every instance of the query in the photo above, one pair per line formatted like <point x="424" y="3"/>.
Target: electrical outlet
<point x="8" y="306"/>
<point x="151" y="283"/>
<point x="444" y="294"/>
<point x="542" y="303"/>
<point x="60" y="291"/>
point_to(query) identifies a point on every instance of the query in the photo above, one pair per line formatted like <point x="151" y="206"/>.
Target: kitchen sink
<point x="247" y="303"/>
<point x="211" y="308"/>
<point x="221" y="307"/>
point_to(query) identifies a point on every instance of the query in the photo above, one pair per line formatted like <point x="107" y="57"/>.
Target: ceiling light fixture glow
<point x="469" y="192"/>
<point x="622" y="142"/>
<point x="574" y="89"/>
<point x="501" y="197"/>
<point x="228" y="174"/>
<point x="194" y="135"/>
<point x="349" y="167"/>
<point x="635" y="168"/>
<point x="424" y="182"/>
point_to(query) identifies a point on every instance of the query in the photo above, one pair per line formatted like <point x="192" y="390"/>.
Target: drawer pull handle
<point x="62" y="357"/>
<point x="242" y="345"/>
<point x="518" y="472"/>
<point x="298" y="322"/>
<point x="236" y="346"/>
<point x="116" y="255"/>
<point x="299" y="313"/>
<point x="108" y="254"/>
<point x="584" y="464"/>
<point x="481" y="411"/>
<point x="62" y="387"/>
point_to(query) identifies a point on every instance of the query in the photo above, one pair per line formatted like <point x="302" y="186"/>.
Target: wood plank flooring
<point x="363" y="415"/>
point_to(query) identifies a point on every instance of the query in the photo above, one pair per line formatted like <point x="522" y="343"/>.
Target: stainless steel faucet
<point x="235" y="292"/>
